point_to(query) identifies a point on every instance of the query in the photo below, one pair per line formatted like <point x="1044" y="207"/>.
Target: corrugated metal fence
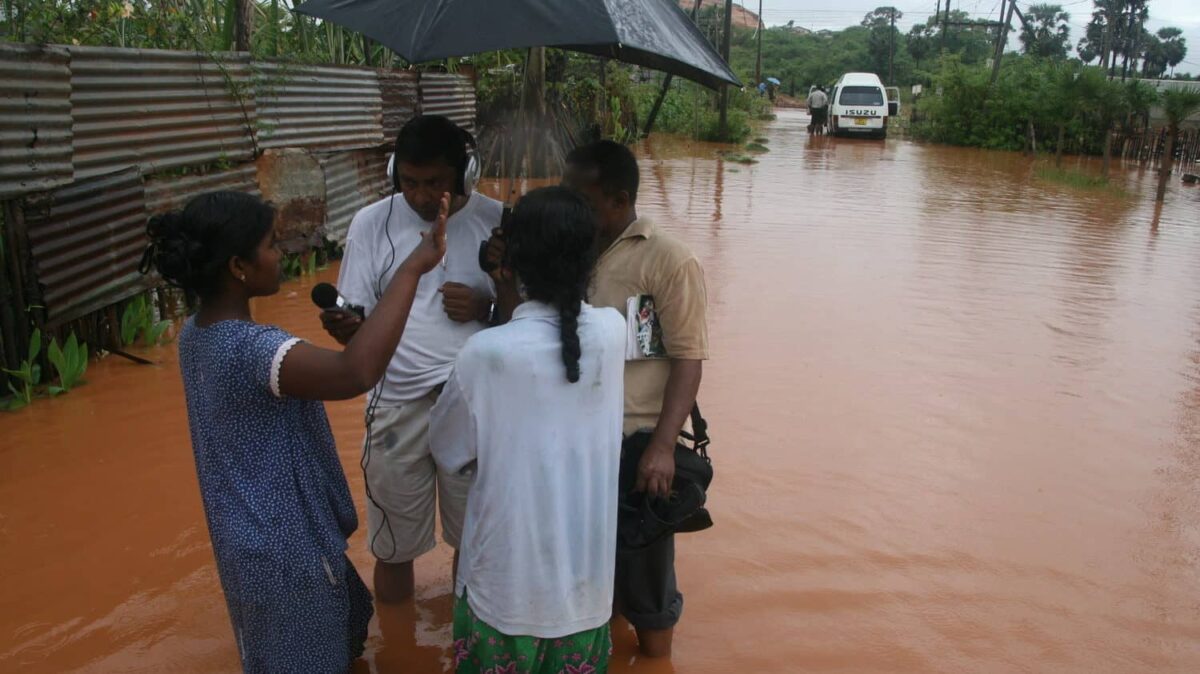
<point x="352" y="180"/>
<point x="35" y="118"/>
<point x="93" y="140"/>
<point x="318" y="107"/>
<point x="86" y="241"/>
<point x="158" y="110"/>
<point x="449" y="95"/>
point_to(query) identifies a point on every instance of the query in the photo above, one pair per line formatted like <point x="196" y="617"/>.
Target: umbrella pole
<point x="662" y="95"/>
<point x="604" y="103"/>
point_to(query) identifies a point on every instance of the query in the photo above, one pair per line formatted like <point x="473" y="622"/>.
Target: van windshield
<point x="861" y="96"/>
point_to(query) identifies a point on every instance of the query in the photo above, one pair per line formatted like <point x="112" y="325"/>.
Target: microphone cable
<point x="377" y="393"/>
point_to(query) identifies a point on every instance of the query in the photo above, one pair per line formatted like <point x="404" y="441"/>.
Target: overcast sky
<point x="822" y="14"/>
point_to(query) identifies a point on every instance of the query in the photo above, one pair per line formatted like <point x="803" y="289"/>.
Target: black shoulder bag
<point x="642" y="520"/>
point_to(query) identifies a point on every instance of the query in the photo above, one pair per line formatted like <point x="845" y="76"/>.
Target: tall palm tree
<point x="1049" y="35"/>
<point x="1178" y="104"/>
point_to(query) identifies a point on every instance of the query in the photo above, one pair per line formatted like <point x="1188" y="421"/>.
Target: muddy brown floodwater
<point x="956" y="427"/>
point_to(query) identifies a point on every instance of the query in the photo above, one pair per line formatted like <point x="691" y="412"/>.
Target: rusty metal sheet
<point x="317" y="106"/>
<point x="352" y="180"/>
<point x="167" y="194"/>
<point x="35" y="118"/>
<point x="86" y="240"/>
<point x="449" y="95"/>
<point x="292" y="181"/>
<point x="159" y="110"/>
<point x="399" y="90"/>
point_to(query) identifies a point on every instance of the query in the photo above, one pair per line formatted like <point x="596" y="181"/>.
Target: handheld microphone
<point x="326" y="297"/>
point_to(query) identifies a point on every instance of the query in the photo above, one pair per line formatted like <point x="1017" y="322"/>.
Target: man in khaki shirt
<point x="639" y="259"/>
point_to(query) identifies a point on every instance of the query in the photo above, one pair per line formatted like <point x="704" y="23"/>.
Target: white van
<point x="859" y="106"/>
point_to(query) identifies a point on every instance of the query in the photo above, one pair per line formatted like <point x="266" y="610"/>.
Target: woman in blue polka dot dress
<point x="274" y="493"/>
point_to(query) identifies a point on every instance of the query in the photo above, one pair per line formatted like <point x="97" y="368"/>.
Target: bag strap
<point x="699" y="435"/>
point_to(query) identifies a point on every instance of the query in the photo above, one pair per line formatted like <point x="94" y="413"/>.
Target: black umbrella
<point x="652" y="33"/>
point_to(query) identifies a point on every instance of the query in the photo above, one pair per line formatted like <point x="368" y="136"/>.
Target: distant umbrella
<point x="774" y="81"/>
<point x="652" y="33"/>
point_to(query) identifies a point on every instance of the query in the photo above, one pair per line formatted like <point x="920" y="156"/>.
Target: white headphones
<point x="473" y="170"/>
<point x="470" y="176"/>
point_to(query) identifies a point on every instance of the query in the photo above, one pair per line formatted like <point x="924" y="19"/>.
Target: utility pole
<point x="945" y="25"/>
<point x="758" y="59"/>
<point x="726" y="40"/>
<point x="1002" y="38"/>
<point x="892" y="50"/>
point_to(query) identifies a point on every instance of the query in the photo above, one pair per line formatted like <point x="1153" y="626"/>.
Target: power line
<point x="844" y="12"/>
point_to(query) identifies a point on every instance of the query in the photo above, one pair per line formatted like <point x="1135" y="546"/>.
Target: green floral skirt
<point x="481" y="649"/>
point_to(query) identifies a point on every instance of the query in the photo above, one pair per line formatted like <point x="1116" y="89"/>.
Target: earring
<point x="243" y="277"/>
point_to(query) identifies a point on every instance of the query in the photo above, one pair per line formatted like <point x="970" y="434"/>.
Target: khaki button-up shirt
<point x="646" y="261"/>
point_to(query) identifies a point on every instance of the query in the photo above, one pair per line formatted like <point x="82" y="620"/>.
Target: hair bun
<point x="172" y="251"/>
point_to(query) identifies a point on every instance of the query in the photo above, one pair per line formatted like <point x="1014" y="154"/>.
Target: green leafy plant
<point x="132" y="318"/>
<point x="619" y="132"/>
<point x="70" y="362"/>
<point x="312" y="264"/>
<point x="738" y="158"/>
<point x="1079" y="180"/>
<point x="138" y="319"/>
<point x="29" y="374"/>
<point x="292" y="266"/>
<point x="155" y="331"/>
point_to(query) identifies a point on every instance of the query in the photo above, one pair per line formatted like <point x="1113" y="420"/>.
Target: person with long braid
<point x="533" y="410"/>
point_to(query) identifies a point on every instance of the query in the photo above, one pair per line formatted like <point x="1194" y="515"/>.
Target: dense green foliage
<point x="800" y="58"/>
<point x="1057" y="98"/>
<point x="200" y="25"/>
<point x="690" y="110"/>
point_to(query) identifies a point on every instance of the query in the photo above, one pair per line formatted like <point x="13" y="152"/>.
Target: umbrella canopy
<point x="774" y="81"/>
<point x="652" y="33"/>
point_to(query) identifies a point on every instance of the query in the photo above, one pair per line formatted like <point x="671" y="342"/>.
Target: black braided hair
<point x="191" y="248"/>
<point x="551" y="245"/>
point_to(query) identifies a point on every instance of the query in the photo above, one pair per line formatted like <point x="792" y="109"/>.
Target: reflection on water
<point x="955" y="411"/>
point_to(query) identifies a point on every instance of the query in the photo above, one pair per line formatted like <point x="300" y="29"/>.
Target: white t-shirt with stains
<point x="539" y="541"/>
<point x="431" y="340"/>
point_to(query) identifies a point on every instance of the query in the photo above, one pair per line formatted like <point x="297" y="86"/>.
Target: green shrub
<point x="70" y="362"/>
<point x="29" y="374"/>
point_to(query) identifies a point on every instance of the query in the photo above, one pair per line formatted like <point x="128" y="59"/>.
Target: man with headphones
<point x="433" y="156"/>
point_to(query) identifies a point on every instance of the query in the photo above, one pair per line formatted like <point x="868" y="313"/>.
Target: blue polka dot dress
<point x="276" y="500"/>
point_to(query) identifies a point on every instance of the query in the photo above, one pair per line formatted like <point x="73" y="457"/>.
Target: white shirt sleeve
<point x="358" y="276"/>
<point x="452" y="429"/>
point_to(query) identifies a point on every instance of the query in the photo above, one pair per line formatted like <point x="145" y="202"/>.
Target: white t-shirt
<point x="431" y="340"/>
<point x="539" y="542"/>
<point x="818" y="99"/>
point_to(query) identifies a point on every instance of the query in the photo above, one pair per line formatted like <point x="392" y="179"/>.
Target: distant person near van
<point x="818" y="108"/>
